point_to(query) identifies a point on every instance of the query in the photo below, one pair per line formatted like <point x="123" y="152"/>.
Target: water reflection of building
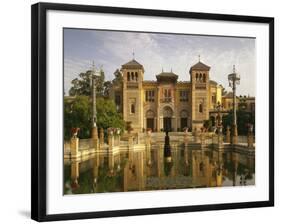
<point x="190" y="168"/>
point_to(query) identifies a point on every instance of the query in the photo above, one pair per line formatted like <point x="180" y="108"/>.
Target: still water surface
<point x="138" y="171"/>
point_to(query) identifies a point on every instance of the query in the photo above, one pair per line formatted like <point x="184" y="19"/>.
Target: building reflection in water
<point x="151" y="170"/>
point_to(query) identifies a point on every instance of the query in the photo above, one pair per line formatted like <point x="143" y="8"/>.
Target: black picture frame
<point x="39" y="122"/>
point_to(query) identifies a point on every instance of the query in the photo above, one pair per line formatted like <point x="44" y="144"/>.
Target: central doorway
<point x="167" y="124"/>
<point x="167" y="119"/>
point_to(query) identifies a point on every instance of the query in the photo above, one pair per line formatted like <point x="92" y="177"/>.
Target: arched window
<point x="128" y="76"/>
<point x="200" y="77"/>
<point x="133" y="77"/>
<point x="136" y="75"/>
<point x="196" y="76"/>
<point x="167" y="95"/>
<point x="200" y="108"/>
<point x="204" y="77"/>
<point x="133" y="109"/>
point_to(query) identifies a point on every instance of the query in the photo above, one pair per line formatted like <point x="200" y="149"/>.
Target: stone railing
<point x="129" y="141"/>
<point x="85" y="144"/>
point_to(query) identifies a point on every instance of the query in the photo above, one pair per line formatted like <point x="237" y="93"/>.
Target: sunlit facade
<point x="165" y="103"/>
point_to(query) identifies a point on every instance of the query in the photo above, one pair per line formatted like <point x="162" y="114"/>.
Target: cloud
<point x="157" y="51"/>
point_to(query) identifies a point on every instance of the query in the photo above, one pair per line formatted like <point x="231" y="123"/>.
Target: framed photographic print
<point x="140" y="111"/>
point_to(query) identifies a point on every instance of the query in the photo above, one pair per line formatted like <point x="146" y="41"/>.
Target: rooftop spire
<point x="133" y="55"/>
<point x="233" y="68"/>
<point x="199" y="57"/>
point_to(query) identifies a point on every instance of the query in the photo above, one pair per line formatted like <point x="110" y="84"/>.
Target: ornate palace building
<point x="166" y="103"/>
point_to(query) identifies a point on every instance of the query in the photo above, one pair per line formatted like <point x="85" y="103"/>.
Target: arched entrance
<point x="167" y="118"/>
<point x="150" y="120"/>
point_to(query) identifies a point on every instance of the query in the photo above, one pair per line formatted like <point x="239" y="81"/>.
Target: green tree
<point x="77" y="114"/>
<point x="78" y="109"/>
<point x="82" y="85"/>
<point x="243" y="119"/>
<point x="107" y="115"/>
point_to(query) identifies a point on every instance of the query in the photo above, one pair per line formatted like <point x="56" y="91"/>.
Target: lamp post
<point x="234" y="79"/>
<point x="94" y="75"/>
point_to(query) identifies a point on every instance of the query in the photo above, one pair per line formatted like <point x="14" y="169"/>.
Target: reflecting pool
<point x="144" y="171"/>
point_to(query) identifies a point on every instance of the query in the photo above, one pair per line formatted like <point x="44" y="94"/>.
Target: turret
<point x="199" y="76"/>
<point x="133" y="73"/>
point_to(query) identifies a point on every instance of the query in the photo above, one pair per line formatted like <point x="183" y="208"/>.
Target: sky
<point x="157" y="51"/>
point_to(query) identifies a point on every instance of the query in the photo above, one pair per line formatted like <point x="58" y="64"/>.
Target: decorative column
<point x="74" y="147"/>
<point x="110" y="139"/>
<point x="118" y="131"/>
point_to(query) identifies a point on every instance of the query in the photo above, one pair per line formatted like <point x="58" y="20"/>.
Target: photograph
<point x="153" y="111"/>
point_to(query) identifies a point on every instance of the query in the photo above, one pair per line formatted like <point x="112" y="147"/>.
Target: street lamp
<point x="234" y="79"/>
<point x="94" y="75"/>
